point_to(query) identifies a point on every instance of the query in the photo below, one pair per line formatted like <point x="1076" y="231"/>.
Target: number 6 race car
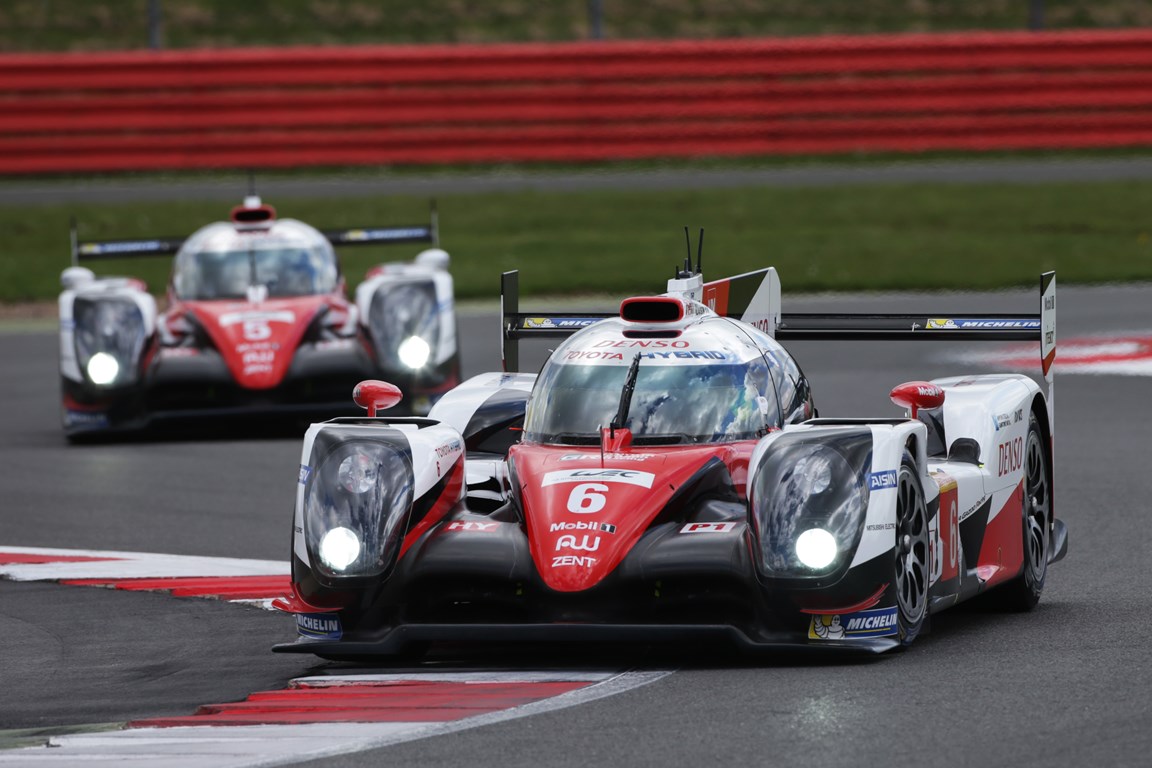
<point x="257" y="324"/>
<point x="664" y="477"/>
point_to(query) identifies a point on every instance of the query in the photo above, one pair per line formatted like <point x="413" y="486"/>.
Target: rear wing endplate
<point x="754" y="298"/>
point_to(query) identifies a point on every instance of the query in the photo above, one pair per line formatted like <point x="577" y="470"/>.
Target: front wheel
<point x="912" y="552"/>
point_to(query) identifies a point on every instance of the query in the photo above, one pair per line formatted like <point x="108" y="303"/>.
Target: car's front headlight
<point x="414" y="352"/>
<point x="356" y="504"/>
<point x="109" y="337"/>
<point x="405" y="323"/>
<point x="809" y="499"/>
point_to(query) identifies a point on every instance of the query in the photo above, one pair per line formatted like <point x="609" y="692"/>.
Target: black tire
<point x="911" y="567"/>
<point x="1022" y="593"/>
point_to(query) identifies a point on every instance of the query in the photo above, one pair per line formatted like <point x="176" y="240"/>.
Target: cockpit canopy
<point x="289" y="259"/>
<point x="709" y="384"/>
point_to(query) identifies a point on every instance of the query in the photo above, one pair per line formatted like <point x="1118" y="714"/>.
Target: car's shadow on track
<point x="574" y="657"/>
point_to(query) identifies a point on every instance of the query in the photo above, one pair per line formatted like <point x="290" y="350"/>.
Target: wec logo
<point x="597" y="475"/>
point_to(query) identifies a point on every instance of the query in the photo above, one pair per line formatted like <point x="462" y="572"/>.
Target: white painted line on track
<point x="1117" y="353"/>
<point x="132" y="565"/>
<point x="188" y="744"/>
<point x="269" y="745"/>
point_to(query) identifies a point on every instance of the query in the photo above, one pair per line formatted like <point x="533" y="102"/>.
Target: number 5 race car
<point x="664" y="477"/>
<point x="257" y="324"/>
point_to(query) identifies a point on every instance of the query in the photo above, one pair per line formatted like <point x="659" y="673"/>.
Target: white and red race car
<point x="257" y="324"/>
<point x="665" y="477"/>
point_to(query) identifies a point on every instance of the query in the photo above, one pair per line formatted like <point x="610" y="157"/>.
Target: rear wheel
<point x="912" y="548"/>
<point x="1023" y="592"/>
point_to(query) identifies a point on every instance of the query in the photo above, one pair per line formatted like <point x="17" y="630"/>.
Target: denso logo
<point x="629" y="476"/>
<point x="642" y="343"/>
<point x="1011" y="456"/>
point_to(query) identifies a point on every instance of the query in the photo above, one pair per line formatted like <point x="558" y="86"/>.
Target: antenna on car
<point x="687" y="270"/>
<point x="700" y="252"/>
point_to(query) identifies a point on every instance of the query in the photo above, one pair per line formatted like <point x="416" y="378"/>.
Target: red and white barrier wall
<point x="585" y="101"/>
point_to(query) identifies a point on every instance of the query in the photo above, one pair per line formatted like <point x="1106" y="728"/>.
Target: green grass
<point x="843" y="238"/>
<point x="58" y="25"/>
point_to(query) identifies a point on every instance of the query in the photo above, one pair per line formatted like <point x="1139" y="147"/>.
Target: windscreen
<point x="285" y="271"/>
<point x="671" y="403"/>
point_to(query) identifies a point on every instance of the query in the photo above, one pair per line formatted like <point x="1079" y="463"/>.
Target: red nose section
<point x="376" y="395"/>
<point x="915" y="395"/>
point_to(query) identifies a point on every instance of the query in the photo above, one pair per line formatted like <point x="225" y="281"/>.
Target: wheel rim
<point x="1037" y="511"/>
<point x="911" y="550"/>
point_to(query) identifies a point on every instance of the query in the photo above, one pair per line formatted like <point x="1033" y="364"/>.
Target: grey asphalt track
<point x="229" y="187"/>
<point x="1066" y="685"/>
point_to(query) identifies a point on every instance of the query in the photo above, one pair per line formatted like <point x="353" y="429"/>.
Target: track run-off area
<point x="114" y="655"/>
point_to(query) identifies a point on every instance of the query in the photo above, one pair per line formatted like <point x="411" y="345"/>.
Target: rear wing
<point x="90" y="250"/>
<point x="754" y="298"/>
<point x="392" y="235"/>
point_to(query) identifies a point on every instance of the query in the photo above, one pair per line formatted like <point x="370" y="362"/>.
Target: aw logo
<point x="1116" y="355"/>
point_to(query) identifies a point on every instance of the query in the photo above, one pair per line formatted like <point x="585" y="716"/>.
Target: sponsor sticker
<point x="608" y="456"/>
<point x="305" y="473"/>
<point x="177" y="352"/>
<point x="472" y="526"/>
<point x="93" y="419"/>
<point x="708" y="528"/>
<point x="1011" y="456"/>
<point x="877" y="622"/>
<point x="583" y="526"/>
<point x="878" y="481"/>
<point x="385" y="233"/>
<point x="585" y="542"/>
<point x="449" y="449"/>
<point x="599" y="475"/>
<point x="573" y="561"/>
<point x="94" y="249"/>
<point x="953" y="324"/>
<point x="554" y="323"/>
<point x="319" y="626"/>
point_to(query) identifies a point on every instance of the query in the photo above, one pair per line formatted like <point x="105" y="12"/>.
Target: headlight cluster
<point x="405" y="324"/>
<point x="356" y="504"/>
<point x="809" y="500"/>
<point x="109" y="338"/>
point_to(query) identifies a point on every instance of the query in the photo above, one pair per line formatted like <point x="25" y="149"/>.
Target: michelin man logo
<point x="941" y="323"/>
<point x="826" y="628"/>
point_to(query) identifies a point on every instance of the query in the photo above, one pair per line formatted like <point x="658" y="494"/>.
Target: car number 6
<point x="587" y="498"/>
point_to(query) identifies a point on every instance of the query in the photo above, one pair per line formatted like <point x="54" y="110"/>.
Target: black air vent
<point x="651" y="334"/>
<point x="243" y="215"/>
<point x="654" y="310"/>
